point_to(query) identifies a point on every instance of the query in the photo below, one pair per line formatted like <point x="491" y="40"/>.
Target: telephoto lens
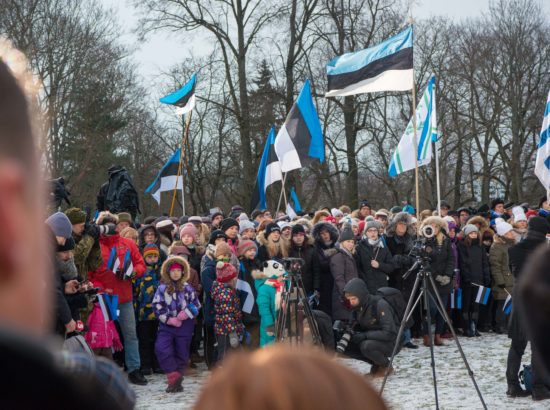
<point x="107" y="229"/>
<point x="342" y="344"/>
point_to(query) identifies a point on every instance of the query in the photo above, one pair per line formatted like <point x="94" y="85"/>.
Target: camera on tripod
<point x="422" y="247"/>
<point x="293" y="265"/>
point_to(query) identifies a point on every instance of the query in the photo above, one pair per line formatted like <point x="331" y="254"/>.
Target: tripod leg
<point x="443" y="313"/>
<point x="314" y="329"/>
<point x="406" y="316"/>
<point x="429" y="326"/>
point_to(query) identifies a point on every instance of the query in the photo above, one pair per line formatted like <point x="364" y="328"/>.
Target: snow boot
<point x="426" y="340"/>
<point x="136" y="377"/>
<point x="438" y="341"/>
<point x="174" y="382"/>
<point x="515" y="390"/>
<point x="540" y="393"/>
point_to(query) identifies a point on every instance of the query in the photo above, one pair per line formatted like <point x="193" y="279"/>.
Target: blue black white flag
<point x="294" y="199"/>
<point x="269" y="172"/>
<point x="108" y="305"/>
<point x="113" y="263"/>
<point x="300" y="139"/>
<point x="542" y="164"/>
<point x="456" y="299"/>
<point x="387" y="66"/>
<point x="167" y="177"/>
<point x="483" y="295"/>
<point x="507" y="308"/>
<point x="184" y="98"/>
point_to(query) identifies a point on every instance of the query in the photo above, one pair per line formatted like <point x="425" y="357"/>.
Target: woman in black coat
<point x="325" y="235"/>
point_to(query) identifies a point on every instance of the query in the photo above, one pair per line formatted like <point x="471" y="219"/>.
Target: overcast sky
<point x="162" y="50"/>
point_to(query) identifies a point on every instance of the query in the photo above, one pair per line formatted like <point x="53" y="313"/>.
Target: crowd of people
<point x="200" y="287"/>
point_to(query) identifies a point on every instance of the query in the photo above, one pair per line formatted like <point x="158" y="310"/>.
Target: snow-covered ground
<point x="410" y="387"/>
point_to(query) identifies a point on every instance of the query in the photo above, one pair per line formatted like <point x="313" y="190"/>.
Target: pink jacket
<point x="101" y="333"/>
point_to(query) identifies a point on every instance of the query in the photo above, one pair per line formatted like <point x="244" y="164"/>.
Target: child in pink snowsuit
<point x="102" y="335"/>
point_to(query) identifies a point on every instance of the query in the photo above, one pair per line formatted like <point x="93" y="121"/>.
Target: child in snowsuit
<point x="228" y="325"/>
<point x="175" y="305"/>
<point x="269" y="284"/>
<point x="147" y="324"/>
<point x="102" y="335"/>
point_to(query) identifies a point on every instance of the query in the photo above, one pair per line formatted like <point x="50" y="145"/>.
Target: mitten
<point x="182" y="316"/>
<point x="174" y="321"/>
<point x="443" y="280"/>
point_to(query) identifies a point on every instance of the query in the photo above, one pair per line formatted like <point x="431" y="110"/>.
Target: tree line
<point x="492" y="81"/>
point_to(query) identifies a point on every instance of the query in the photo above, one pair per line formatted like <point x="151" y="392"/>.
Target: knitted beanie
<point x="346" y="234"/>
<point x="246" y="224"/>
<point x="228" y="223"/>
<point x="270" y="228"/>
<point x="469" y="228"/>
<point x="222" y="249"/>
<point x="539" y="224"/>
<point x="245" y="246"/>
<point x="372" y="224"/>
<point x="189" y="229"/>
<point x="60" y="225"/>
<point x="76" y="215"/>
<point x="225" y="272"/>
<point x="503" y="228"/>
<point x="298" y="229"/>
<point x="216" y="234"/>
<point x="151" y="249"/>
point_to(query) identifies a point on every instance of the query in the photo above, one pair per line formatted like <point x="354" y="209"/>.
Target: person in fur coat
<point x="326" y="236"/>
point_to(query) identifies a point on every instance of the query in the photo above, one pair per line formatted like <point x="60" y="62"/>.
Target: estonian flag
<point x="387" y="66"/>
<point x="108" y="305"/>
<point x="246" y="296"/>
<point x="483" y="295"/>
<point x="507" y="308"/>
<point x="300" y="139"/>
<point x="268" y="173"/>
<point x="127" y="266"/>
<point x="113" y="263"/>
<point x="294" y="197"/>
<point x="184" y="98"/>
<point x="166" y="178"/>
<point x="542" y="164"/>
<point x="456" y="299"/>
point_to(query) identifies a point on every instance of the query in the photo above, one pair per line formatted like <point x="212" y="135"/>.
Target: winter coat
<point x="208" y="276"/>
<point x="500" y="267"/>
<point x="400" y="248"/>
<point x="474" y="263"/>
<point x="87" y="254"/>
<point x="323" y="254"/>
<point x="343" y="269"/>
<point x="228" y="317"/>
<point x="442" y="263"/>
<point x="101" y="333"/>
<point x="263" y="251"/>
<point x="269" y="295"/>
<point x="144" y="292"/>
<point x="107" y="280"/>
<point x="375" y="278"/>
<point x="247" y="270"/>
<point x="167" y="305"/>
<point x="310" y="271"/>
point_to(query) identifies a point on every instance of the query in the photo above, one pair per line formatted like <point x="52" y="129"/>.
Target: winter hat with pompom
<point x="225" y="272"/>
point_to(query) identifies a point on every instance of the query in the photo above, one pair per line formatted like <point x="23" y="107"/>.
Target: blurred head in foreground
<point x="283" y="378"/>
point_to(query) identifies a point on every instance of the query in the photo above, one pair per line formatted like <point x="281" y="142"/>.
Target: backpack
<point x="395" y="299"/>
<point x="121" y="196"/>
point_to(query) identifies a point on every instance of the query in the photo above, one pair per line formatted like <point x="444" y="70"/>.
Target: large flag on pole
<point x="542" y="165"/>
<point x="269" y="172"/>
<point x="387" y="66"/>
<point x="426" y="133"/>
<point x="294" y="198"/>
<point x="184" y="98"/>
<point x="300" y="139"/>
<point x="166" y="178"/>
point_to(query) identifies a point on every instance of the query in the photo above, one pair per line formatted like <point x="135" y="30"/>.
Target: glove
<point x="502" y="286"/>
<point x="270" y="331"/>
<point x="359" y="337"/>
<point x="443" y="280"/>
<point x="182" y="316"/>
<point x="173" y="321"/>
<point x="193" y="309"/>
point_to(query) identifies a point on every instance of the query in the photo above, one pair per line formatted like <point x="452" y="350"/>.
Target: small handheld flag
<point x="127" y="266"/>
<point x="113" y="263"/>
<point x="184" y="98"/>
<point x="300" y="139"/>
<point x="542" y="164"/>
<point x="108" y="305"/>
<point x="507" y="308"/>
<point x="246" y="295"/>
<point x="167" y="177"/>
<point x="456" y="299"/>
<point x="388" y="66"/>
<point x="483" y="295"/>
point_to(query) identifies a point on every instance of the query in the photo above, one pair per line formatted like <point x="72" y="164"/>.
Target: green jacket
<point x="500" y="268"/>
<point x="87" y="255"/>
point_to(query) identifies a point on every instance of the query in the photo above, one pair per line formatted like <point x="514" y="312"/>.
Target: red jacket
<point x="106" y="279"/>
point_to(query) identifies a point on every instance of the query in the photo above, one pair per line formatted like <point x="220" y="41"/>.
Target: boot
<point x="410" y="345"/>
<point x="426" y="340"/>
<point x="136" y="377"/>
<point x="174" y="382"/>
<point x="438" y="341"/>
<point x="515" y="390"/>
<point x="471" y="332"/>
<point x="381" y="372"/>
<point x="540" y="393"/>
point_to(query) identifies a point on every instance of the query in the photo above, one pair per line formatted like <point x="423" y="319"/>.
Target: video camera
<point x="423" y="246"/>
<point x="293" y="265"/>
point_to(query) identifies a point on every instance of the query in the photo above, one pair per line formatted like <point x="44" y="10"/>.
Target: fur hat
<point x="346" y="234"/>
<point x="228" y="223"/>
<point x="124" y="217"/>
<point x="222" y="249"/>
<point x="245" y="246"/>
<point x="151" y="249"/>
<point x="437" y="221"/>
<point x="189" y="229"/>
<point x="400" y="217"/>
<point x="173" y="259"/>
<point x="60" y="225"/>
<point x="246" y="224"/>
<point x="469" y="228"/>
<point x="225" y="272"/>
<point x="76" y="215"/>
<point x="503" y="228"/>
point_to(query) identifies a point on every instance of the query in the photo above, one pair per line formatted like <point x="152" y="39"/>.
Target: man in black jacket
<point x="301" y="246"/>
<point x="376" y="328"/>
<point x="518" y="254"/>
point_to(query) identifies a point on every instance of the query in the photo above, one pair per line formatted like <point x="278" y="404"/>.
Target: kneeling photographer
<point x="375" y="327"/>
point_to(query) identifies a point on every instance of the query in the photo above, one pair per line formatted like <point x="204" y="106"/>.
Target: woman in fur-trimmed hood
<point x="325" y="235"/>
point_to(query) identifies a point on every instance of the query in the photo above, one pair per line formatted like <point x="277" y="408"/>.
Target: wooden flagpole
<point x="185" y="135"/>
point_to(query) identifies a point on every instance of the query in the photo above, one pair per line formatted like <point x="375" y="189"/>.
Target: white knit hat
<point x="519" y="214"/>
<point x="503" y="228"/>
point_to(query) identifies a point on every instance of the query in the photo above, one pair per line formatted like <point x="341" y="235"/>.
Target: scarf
<point x="278" y="290"/>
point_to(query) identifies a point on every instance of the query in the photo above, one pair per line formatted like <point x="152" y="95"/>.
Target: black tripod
<point x="295" y="307"/>
<point x="425" y="276"/>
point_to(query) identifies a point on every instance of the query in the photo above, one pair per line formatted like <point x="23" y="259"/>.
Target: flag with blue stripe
<point x="245" y="293"/>
<point x="294" y="198"/>
<point x="387" y="66"/>
<point x="184" y="98"/>
<point x="167" y="179"/>
<point x="482" y="296"/>
<point x="542" y="164"/>
<point x="300" y="140"/>
<point x="269" y="172"/>
<point x="507" y="308"/>
<point x="426" y="133"/>
<point x="456" y="299"/>
<point x="113" y="263"/>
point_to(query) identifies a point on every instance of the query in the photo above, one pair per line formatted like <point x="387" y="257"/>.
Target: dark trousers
<point x="500" y="319"/>
<point x="254" y="330"/>
<point x="470" y="309"/>
<point x="223" y="347"/>
<point x="434" y="313"/>
<point x="514" y="363"/>
<point x="209" y="346"/>
<point x="197" y="334"/>
<point x="376" y="352"/>
<point x="147" y="336"/>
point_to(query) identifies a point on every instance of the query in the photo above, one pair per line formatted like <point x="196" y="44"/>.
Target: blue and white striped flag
<point x="482" y="296"/>
<point x="542" y="165"/>
<point x="507" y="308"/>
<point x="426" y="133"/>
